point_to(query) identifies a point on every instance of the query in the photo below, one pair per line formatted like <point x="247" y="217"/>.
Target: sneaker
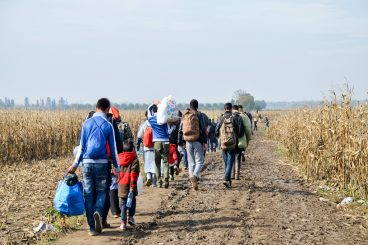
<point x="154" y="185"/>
<point x="237" y="178"/>
<point x="171" y="177"/>
<point x="92" y="233"/>
<point x="194" y="181"/>
<point x="227" y="184"/>
<point x="98" y="223"/>
<point x="116" y="216"/>
<point x="166" y="183"/>
<point x="131" y="221"/>
<point x="123" y="226"/>
<point x="148" y="182"/>
<point x="160" y="183"/>
<point x="105" y="224"/>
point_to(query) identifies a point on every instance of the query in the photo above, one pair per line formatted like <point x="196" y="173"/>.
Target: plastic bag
<point x="68" y="200"/>
<point x="167" y="110"/>
<point x="242" y="144"/>
<point x="140" y="184"/>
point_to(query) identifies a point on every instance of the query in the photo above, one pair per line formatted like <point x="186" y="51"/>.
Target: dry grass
<point x="331" y="142"/>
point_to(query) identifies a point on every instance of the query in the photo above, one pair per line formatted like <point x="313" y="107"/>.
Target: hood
<point x="115" y="113"/>
<point x="127" y="158"/>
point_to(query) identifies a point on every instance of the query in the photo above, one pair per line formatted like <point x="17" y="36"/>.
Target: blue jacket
<point x="88" y="154"/>
<point x="160" y="132"/>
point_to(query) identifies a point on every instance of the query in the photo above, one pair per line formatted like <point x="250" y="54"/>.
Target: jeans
<point x="94" y="189"/>
<point x="125" y="209"/>
<point x="107" y="199"/>
<point x="114" y="202"/>
<point x="229" y="157"/>
<point x="162" y="150"/>
<point x="195" y="158"/>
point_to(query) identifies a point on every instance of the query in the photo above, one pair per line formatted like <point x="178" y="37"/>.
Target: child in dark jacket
<point x="129" y="173"/>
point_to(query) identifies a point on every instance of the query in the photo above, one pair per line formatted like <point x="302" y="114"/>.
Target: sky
<point x="142" y="50"/>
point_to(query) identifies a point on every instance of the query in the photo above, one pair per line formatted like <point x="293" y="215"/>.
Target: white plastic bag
<point x="167" y="110"/>
<point x="140" y="184"/>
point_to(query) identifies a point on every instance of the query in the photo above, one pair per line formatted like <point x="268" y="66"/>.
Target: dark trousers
<point x="114" y="202"/>
<point x="228" y="156"/>
<point x="237" y="164"/>
<point x="125" y="209"/>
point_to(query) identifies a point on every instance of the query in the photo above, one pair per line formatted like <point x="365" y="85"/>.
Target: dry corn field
<point x="330" y="143"/>
<point x="34" y="145"/>
<point x="35" y="135"/>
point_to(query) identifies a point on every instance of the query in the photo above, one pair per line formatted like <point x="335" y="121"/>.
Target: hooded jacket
<point x="129" y="173"/>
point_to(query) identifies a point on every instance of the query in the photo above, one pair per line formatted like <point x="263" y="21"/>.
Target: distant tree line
<point x="240" y="97"/>
<point x="62" y="103"/>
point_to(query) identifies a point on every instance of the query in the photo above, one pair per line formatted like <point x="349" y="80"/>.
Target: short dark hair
<point x="154" y="108"/>
<point x="103" y="104"/>
<point x="235" y="107"/>
<point x="128" y="146"/>
<point x="240" y="106"/>
<point x="228" y="106"/>
<point x="180" y="114"/>
<point x="193" y="104"/>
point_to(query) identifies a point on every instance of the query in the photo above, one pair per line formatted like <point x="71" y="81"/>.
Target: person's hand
<point x="180" y="149"/>
<point x="72" y="170"/>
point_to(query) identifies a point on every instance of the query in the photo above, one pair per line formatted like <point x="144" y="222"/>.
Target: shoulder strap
<point x="100" y="127"/>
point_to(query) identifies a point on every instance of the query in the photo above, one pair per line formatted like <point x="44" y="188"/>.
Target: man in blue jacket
<point x="97" y="134"/>
<point x="161" y="137"/>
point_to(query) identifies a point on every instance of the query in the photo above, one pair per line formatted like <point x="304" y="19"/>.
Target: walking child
<point x="129" y="166"/>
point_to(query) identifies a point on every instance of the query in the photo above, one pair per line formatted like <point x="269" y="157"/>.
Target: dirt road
<point x="271" y="204"/>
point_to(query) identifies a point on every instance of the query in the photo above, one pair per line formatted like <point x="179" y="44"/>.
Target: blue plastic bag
<point x="69" y="199"/>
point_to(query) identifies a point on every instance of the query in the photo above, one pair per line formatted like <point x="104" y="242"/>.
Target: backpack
<point x="190" y="122"/>
<point x="96" y="142"/>
<point x="148" y="138"/>
<point x="125" y="131"/>
<point x="227" y="134"/>
<point x="210" y="129"/>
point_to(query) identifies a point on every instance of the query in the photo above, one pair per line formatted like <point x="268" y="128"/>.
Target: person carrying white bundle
<point x="167" y="111"/>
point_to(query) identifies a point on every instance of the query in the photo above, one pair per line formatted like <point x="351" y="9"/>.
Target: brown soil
<point x="271" y="204"/>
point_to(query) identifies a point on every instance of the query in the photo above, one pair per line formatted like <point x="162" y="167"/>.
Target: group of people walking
<point x="106" y="140"/>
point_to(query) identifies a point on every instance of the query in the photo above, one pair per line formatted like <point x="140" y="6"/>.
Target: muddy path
<point x="271" y="204"/>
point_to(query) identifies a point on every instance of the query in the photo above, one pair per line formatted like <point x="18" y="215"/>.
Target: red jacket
<point x="173" y="156"/>
<point x="129" y="173"/>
